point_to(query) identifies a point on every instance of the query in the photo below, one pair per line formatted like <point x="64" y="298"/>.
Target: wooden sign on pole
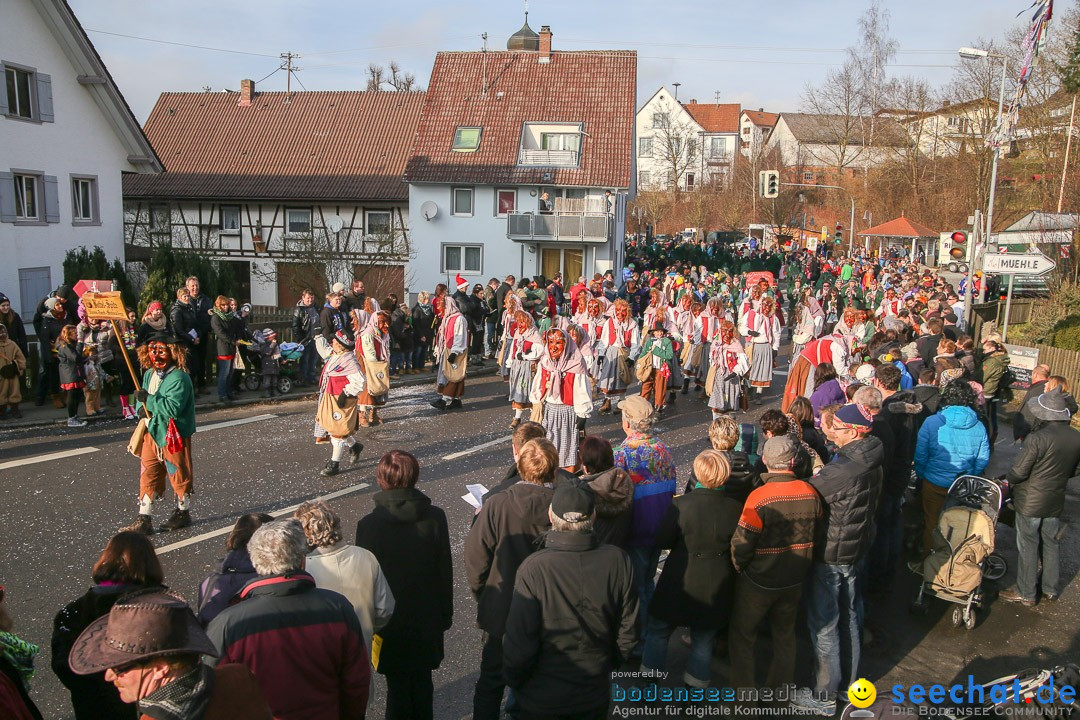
<point x="104" y="306"/>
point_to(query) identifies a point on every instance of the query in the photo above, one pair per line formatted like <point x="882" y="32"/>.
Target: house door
<point x="569" y="261"/>
<point x="34" y="284"/>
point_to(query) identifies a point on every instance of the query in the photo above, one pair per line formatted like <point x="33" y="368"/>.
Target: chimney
<point x="247" y="92"/>
<point x="545" y="44"/>
<point x="693" y="101"/>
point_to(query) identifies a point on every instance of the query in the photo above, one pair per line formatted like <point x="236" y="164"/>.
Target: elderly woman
<point x="127" y="564"/>
<point x="696" y="587"/>
<point x="347" y="569"/>
<point x="411" y="541"/>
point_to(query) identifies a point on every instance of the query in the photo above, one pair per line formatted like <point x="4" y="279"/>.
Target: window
<point x="746" y="130"/>
<point x="643" y="178"/>
<point x="230" y="219"/>
<point x="297" y="221"/>
<point x="505" y="201"/>
<point x="461" y="202"/>
<point x="462" y="258"/>
<point x="466" y="139"/>
<point x="717" y="147"/>
<point x="660" y="121"/>
<point x="377" y="222"/>
<point x="27" y="197"/>
<point x="690" y="181"/>
<point x="34" y="284"/>
<point x="644" y="147"/>
<point x="84" y="200"/>
<point x="160" y="219"/>
<point x="19" y="95"/>
<point x="27" y="94"/>
<point x="808" y="177"/>
<point x="560" y="141"/>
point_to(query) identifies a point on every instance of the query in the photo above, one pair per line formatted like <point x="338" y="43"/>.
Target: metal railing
<point x="562" y="227"/>
<point x="549" y="158"/>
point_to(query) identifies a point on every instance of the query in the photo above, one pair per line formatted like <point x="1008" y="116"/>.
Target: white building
<point x="755" y="126"/>
<point x="820" y="145"/>
<point x="499" y="131"/>
<point x="66" y="136"/>
<point x="695" y="141"/>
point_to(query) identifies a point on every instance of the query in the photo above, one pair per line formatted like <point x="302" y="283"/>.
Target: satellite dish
<point x="429" y="210"/>
<point x="334" y="223"/>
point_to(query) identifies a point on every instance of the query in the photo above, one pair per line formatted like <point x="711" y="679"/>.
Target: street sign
<point x="104" y="306"/>
<point x="85" y="286"/>
<point x="1027" y="264"/>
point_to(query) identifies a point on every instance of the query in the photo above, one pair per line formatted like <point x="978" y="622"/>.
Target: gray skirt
<point x="607" y="371"/>
<point x="725" y="393"/>
<point x="761" y="368"/>
<point x="521" y="377"/>
<point x="560" y="427"/>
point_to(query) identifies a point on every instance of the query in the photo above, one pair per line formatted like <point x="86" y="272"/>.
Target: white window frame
<point x="32" y="110"/>
<point x="808" y="177"/>
<point x="465" y="148"/>
<point x="221" y="219"/>
<point x="20" y="179"/>
<point x="717" y="147"/>
<point x="498" y="193"/>
<point x="690" y="181"/>
<point x="78" y="212"/>
<point x="389" y="221"/>
<point x="462" y="248"/>
<point x="644" y="178"/>
<point x="660" y="121"/>
<point x="453" y="201"/>
<point x="562" y="140"/>
<point x="645" y="147"/>
<point x="289" y="231"/>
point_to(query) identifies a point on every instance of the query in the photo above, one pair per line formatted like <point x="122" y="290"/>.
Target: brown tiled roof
<point x="764" y="119"/>
<point x="343" y="145"/>
<point x="715" y="118"/>
<point x="594" y="88"/>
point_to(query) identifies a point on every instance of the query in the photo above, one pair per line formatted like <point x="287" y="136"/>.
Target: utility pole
<point x="287" y="61"/>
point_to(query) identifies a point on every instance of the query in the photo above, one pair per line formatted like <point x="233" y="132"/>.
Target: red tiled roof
<point x="713" y="117"/>
<point x="764" y="119"/>
<point x="344" y="145"/>
<point x="900" y="227"/>
<point x="594" y="88"/>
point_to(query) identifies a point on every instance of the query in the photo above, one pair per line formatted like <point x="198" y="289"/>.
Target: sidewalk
<point x="47" y="415"/>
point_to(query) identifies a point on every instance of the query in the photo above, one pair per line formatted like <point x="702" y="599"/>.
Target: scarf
<point x="223" y="316"/>
<point x="451" y="317"/>
<point x="185" y="698"/>
<point x="19" y="654"/>
<point x="156" y="324"/>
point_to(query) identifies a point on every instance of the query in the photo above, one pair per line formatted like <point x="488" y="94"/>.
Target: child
<point x="659" y="344"/>
<point x="270" y="353"/>
<point x="12" y="366"/>
<point x="95" y="379"/>
<point x="72" y="374"/>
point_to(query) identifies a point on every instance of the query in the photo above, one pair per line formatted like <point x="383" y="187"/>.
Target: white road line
<point x="231" y="423"/>
<point x="276" y="513"/>
<point x="47" y="457"/>
<point x="477" y="448"/>
<point x="779" y="372"/>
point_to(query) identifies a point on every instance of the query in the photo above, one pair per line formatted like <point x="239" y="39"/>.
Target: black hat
<point x="344" y="339"/>
<point x="3" y="298"/>
<point x="573" y="501"/>
<point x="658" y="325"/>
<point x="162" y="337"/>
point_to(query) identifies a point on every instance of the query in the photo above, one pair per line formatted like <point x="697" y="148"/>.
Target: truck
<point x="955" y="251"/>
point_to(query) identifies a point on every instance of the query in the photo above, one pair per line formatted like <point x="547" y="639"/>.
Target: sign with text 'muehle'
<point x="1010" y="264"/>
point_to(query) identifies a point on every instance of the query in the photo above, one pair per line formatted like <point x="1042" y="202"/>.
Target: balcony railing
<point x="559" y="227"/>
<point x="549" y="158"/>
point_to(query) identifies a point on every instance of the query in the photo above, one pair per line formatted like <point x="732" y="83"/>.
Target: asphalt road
<point x="56" y="515"/>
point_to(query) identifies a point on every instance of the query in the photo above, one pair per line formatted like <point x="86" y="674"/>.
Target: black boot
<point x="179" y="519"/>
<point x="671" y="396"/>
<point x="439" y="405"/>
<point x="332" y="468"/>
<point x="685" y="386"/>
<point x="455" y="404"/>
<point x="354" y="452"/>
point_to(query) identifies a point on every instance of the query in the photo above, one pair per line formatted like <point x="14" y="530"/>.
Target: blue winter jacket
<point x="952" y="442"/>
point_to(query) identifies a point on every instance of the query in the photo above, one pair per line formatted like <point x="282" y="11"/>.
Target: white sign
<point x="1028" y="264"/>
<point x="811" y="243"/>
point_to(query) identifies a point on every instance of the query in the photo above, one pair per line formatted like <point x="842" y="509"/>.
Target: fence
<point x="1062" y="362"/>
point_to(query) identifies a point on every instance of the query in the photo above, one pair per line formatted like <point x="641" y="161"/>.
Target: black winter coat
<point x="91" y="697"/>
<point x="1051" y="456"/>
<point x="401" y="331"/>
<point x="742" y="481"/>
<point x="50" y="331"/>
<point x="697" y="584"/>
<point x="614" y="491"/>
<point x="409" y="537"/>
<point x="506" y="531"/>
<point x="202" y="306"/>
<point x="423" y="322"/>
<point x="901" y="412"/>
<point x="16" y="330"/>
<point x="1023" y="420"/>
<point x="929" y="396"/>
<point x="305" y="323"/>
<point x="572" y="621"/>
<point x="331" y="320"/>
<point x="182" y="316"/>
<point x="848" y="498"/>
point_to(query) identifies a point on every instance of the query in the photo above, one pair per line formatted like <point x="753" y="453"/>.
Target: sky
<point x="759" y="54"/>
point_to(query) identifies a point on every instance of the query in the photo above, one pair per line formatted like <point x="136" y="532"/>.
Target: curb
<point x="405" y="381"/>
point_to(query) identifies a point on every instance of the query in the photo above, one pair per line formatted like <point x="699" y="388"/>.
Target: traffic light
<point x="838" y="236"/>
<point x="769" y="183"/>
<point x="958" y="238"/>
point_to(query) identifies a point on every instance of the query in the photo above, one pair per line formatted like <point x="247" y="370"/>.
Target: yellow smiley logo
<point x="862" y="693"/>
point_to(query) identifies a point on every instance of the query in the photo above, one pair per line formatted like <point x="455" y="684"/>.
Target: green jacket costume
<point x="174" y="399"/>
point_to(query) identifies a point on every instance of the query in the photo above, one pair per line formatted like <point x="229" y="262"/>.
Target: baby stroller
<point x="962" y="554"/>
<point x="1028" y="694"/>
<point x="289" y="363"/>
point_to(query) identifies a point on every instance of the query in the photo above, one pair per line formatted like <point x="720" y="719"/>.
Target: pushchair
<point x="1029" y="690"/>
<point x="962" y="553"/>
<point x="289" y="364"/>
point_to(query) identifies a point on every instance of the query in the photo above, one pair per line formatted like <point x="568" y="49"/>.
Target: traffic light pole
<point x="851" y="226"/>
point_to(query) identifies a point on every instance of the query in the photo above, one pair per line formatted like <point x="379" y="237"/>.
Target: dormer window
<point x="549" y="144"/>
<point x="466" y="139"/>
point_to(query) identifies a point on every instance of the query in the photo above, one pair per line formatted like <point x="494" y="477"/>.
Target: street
<point x="57" y="515"/>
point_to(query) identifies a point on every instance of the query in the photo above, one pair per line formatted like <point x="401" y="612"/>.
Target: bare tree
<point x="870" y="55"/>
<point x="675" y="144"/>
<point x="375" y="77"/>
<point x="398" y="81"/>
<point x="842" y="107"/>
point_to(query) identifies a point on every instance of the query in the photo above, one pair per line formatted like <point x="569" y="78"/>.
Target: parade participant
<point x="730" y="366"/>
<point x="619" y="343"/>
<point x="451" y="343"/>
<point x="659" y="310"/>
<point x="658" y="345"/>
<point x="524" y="348"/>
<point x="761" y="329"/>
<point x="706" y="329"/>
<point x="374" y="358"/>
<point x="593" y="317"/>
<point x="562" y="385"/>
<point x="891" y="305"/>
<point x="804" y="326"/>
<point x="830" y="349"/>
<point x="167" y="398"/>
<point x="511" y="305"/>
<point x="342" y="381"/>
<point x="692" y="358"/>
<point x="587" y="348"/>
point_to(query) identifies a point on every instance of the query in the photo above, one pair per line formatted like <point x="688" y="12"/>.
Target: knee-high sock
<point x="518" y="413"/>
<point x="146" y="505"/>
<point x="339" y="449"/>
<point x="182" y="502"/>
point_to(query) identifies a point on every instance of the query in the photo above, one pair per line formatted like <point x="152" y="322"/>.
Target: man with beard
<point x="167" y="398"/>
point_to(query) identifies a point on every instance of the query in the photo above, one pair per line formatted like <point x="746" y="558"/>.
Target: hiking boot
<point x="811" y="703"/>
<point x="455" y="404"/>
<point x="332" y="468"/>
<point x="606" y="407"/>
<point x="179" y="519"/>
<point x="1012" y="595"/>
<point x="143" y="524"/>
<point x="354" y="453"/>
<point x="439" y="405"/>
<point x="515" y="423"/>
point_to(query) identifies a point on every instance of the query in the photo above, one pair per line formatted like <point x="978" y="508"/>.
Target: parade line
<point x="276" y="513"/>
<point x="48" y="457"/>
<point x="231" y="423"/>
<point x="477" y="448"/>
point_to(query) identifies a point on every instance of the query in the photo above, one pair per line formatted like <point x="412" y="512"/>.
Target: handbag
<point x="624" y="367"/>
<point x="238" y="362"/>
<point x="135" y="444"/>
<point x="377" y="374"/>
<point x="536" y="414"/>
<point x="9" y="371"/>
<point x="338" y="421"/>
<point x="710" y="380"/>
<point x="454" y="372"/>
<point x="643" y="369"/>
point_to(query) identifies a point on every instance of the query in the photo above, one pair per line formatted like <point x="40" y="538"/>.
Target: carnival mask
<point x="161" y="355"/>
<point x="384" y="324"/>
<point x="556" y="345"/>
<point x="621" y="313"/>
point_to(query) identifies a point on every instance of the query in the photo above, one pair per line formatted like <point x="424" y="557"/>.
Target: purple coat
<point x="828" y="394"/>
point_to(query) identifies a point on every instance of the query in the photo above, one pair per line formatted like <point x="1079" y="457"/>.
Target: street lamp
<point x="970" y="53"/>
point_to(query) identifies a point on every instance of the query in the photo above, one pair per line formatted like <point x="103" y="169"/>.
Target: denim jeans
<point x="1029" y="531"/>
<point x="701" y="650"/>
<point x="420" y="353"/>
<point x="644" y="562"/>
<point x="309" y="363"/>
<point x="396" y="359"/>
<point x="832" y="612"/>
<point x="888" y="542"/>
<point x="492" y="334"/>
<point x="224" y="369"/>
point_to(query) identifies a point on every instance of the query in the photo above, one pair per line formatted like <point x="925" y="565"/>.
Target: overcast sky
<point x="757" y="53"/>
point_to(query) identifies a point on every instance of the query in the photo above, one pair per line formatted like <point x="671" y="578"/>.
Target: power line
<point x="776" y="62"/>
<point x="179" y="44"/>
<point x="785" y="48"/>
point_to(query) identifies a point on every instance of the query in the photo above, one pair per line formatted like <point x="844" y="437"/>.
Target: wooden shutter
<point x="44" y="97"/>
<point x="7" y="197"/>
<point x="52" y="199"/>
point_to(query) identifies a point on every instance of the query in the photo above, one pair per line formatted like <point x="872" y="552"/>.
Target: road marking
<point x="779" y="372"/>
<point x="276" y="513"/>
<point x="477" y="448"/>
<point x="47" y="457"/>
<point x="232" y="423"/>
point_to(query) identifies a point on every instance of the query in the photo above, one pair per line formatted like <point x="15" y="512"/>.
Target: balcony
<point x="549" y="158"/>
<point x="559" y="227"/>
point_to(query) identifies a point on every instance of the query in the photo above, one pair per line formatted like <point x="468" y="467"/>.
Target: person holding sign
<point x="166" y="402"/>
